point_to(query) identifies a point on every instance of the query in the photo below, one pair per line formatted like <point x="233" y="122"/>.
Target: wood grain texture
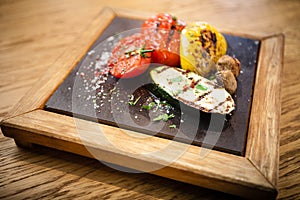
<point x="48" y="174"/>
<point x="35" y="33"/>
<point x="149" y="155"/>
<point x="62" y="66"/>
<point x="263" y="134"/>
<point x="78" y="136"/>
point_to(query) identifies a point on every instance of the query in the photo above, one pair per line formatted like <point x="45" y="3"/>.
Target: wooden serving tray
<point x="251" y="173"/>
<point x="107" y="102"/>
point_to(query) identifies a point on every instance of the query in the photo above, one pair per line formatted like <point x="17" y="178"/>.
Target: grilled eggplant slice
<point x="193" y="90"/>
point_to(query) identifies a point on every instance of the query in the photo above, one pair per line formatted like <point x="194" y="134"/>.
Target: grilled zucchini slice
<point x="193" y="90"/>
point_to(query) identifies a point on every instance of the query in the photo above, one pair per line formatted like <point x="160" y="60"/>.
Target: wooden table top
<point x="35" y="33"/>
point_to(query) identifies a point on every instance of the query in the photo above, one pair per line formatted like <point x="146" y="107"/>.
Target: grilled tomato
<point x="163" y="31"/>
<point x="130" y="57"/>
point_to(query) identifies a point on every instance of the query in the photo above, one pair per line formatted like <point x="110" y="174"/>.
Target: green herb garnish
<point x="131" y="97"/>
<point x="212" y="77"/>
<point x="164" y="117"/>
<point x="172" y="126"/>
<point x="177" y="92"/>
<point x="149" y="106"/>
<point x="131" y="102"/>
<point x="201" y="87"/>
<point x="176" y="79"/>
<point x="164" y="104"/>
<point x="142" y="52"/>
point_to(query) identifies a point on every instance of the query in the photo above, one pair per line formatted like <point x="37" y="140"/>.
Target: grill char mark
<point x="203" y="95"/>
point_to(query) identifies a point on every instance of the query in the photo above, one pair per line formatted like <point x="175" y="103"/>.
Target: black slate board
<point x="107" y="102"/>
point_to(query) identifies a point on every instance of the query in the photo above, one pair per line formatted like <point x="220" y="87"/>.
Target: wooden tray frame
<point x="252" y="176"/>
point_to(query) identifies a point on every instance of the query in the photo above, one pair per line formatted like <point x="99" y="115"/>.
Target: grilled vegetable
<point x="193" y="90"/>
<point x="163" y="31"/>
<point x="227" y="62"/>
<point x="226" y="79"/>
<point x="130" y="57"/>
<point x="164" y="21"/>
<point x="159" y="92"/>
<point x="201" y="46"/>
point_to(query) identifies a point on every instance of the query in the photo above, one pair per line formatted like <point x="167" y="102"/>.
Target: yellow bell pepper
<point x="201" y="46"/>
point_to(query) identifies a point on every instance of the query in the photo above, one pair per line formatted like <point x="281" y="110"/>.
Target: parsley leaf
<point x="201" y="87"/>
<point x="149" y="106"/>
<point x="172" y="126"/>
<point x="176" y="79"/>
<point x="132" y="103"/>
<point x="164" y="117"/>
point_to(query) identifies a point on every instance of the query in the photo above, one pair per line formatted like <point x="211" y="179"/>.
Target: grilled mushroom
<point x="226" y="79"/>
<point x="229" y="63"/>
